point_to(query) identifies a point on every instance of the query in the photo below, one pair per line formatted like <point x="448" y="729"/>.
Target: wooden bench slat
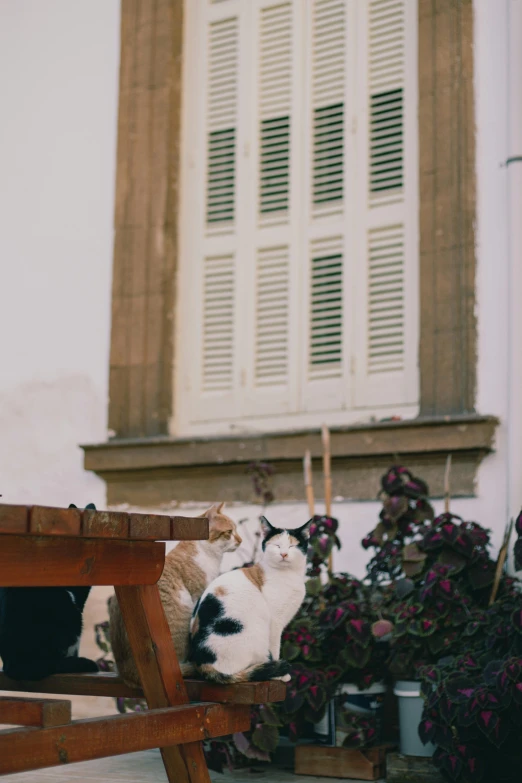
<point x="89" y="523"/>
<point x="34" y="712"/>
<point x="189" y="529"/>
<point x="22" y="750"/>
<point x="105" y="524"/>
<point x="14" y="519"/>
<point x="150" y="526"/>
<point x="107" y="684"/>
<point x="44" y="520"/>
<point x="31" y="561"/>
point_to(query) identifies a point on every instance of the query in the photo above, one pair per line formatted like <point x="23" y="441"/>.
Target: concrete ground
<point x="145" y="767"/>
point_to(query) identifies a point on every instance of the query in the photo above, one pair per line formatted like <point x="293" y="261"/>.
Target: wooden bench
<point x="61" y="547"/>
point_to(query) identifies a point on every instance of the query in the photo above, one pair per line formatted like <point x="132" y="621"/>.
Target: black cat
<point x="40" y="629"/>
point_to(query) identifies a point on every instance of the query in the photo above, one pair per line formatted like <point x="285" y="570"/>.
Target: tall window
<point x="297" y="295"/>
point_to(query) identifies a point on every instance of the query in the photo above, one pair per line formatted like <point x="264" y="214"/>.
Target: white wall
<point x="59" y="64"/>
<point x="58" y="109"/>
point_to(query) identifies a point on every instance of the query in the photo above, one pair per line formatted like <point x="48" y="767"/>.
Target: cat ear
<point x="266" y="527"/>
<point x="209" y="514"/>
<point x="304" y="530"/>
<point x="220" y="507"/>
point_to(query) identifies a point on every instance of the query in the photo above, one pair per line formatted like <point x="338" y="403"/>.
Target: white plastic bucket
<point x="411" y="705"/>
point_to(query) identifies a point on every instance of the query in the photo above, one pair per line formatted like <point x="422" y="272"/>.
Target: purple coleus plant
<point x="432" y="607"/>
<point x="329" y="642"/>
<point x="261" y="474"/>
<point x="403" y="521"/>
<point x="473" y="701"/>
<point x="473" y="713"/>
<point x="323" y="540"/>
<point x="518" y="543"/>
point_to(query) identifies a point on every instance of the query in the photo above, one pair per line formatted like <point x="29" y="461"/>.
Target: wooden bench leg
<point x="160" y="675"/>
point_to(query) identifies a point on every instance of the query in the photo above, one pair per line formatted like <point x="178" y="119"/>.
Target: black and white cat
<point x="236" y="626"/>
<point x="40" y="629"/>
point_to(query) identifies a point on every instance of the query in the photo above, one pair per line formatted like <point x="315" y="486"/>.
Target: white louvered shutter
<point x="209" y="277"/>
<point x="271" y="358"/>
<point x="386" y="284"/>
<point x="325" y="271"/>
<point x="298" y="260"/>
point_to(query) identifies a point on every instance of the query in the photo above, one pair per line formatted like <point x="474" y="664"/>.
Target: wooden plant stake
<point x="327" y="482"/>
<point x="501" y="560"/>
<point x="447" y="491"/>
<point x="307" y="466"/>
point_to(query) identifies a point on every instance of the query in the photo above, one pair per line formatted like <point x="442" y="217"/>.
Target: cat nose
<point x="284" y="554"/>
<point x="238" y="539"/>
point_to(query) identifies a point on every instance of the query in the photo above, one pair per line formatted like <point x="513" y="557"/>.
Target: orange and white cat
<point x="189" y="568"/>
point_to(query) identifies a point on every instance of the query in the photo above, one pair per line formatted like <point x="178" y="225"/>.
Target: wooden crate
<point x="351" y="763"/>
<point x="411" y="769"/>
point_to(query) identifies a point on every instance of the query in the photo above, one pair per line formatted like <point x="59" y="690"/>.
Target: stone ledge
<point x="154" y="471"/>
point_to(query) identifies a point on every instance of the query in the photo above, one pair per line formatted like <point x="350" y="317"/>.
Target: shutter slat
<point x="386" y="71"/>
<point x="328" y="87"/>
<point x="275" y="96"/>
<point x="386" y="306"/>
<point x="218" y="322"/>
<point x="272" y="316"/>
<point x="222" y="99"/>
<point x="326" y="306"/>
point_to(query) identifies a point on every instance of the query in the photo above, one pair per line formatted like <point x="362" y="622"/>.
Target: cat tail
<point x="40" y="669"/>
<point x="258" y="672"/>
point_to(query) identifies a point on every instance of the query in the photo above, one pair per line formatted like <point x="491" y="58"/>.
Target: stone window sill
<point x="160" y="470"/>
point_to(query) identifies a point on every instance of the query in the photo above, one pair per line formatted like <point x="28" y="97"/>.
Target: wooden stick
<point x="327" y="482"/>
<point x="447" y="491"/>
<point x="327" y="471"/>
<point x="501" y="560"/>
<point x="307" y="465"/>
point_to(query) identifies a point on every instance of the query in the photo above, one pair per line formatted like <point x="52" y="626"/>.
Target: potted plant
<point x="473" y="707"/>
<point x="440" y="573"/>
<point x="339" y="665"/>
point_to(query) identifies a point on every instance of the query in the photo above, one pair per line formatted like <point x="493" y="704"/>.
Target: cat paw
<point x="284" y="678"/>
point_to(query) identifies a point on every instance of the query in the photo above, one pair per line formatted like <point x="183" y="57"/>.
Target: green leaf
<point x="313" y="586"/>
<point x="268" y="713"/>
<point x="290" y="651"/>
<point x="266" y="737"/>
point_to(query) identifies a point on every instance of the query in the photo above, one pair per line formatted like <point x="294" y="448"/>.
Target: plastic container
<point x="411" y="705"/>
<point x="367" y="703"/>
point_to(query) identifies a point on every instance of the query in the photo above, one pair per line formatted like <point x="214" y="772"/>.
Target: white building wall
<point x="59" y="63"/>
<point x="59" y="88"/>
